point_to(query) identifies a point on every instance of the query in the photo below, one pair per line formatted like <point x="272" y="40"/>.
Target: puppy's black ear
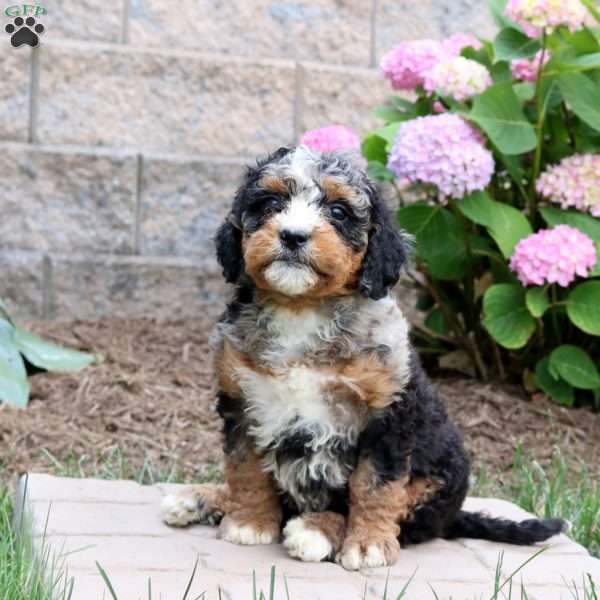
<point x="229" y="249"/>
<point x="387" y="252"/>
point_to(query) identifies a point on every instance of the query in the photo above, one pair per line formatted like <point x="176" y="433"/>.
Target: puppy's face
<point x="302" y="224"/>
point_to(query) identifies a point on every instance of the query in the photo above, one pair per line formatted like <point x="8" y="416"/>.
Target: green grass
<point x="558" y="491"/>
<point x="23" y="574"/>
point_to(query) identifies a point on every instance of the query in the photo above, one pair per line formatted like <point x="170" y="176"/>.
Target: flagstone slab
<point x="116" y="524"/>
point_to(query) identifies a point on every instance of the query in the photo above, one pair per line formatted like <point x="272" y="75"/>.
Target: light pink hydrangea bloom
<point x="443" y="150"/>
<point x="406" y="64"/>
<point x="526" y="69"/>
<point x="537" y="16"/>
<point x="458" y="77"/>
<point x="333" y="137"/>
<point x="573" y="183"/>
<point x="556" y="255"/>
<point x="457" y="42"/>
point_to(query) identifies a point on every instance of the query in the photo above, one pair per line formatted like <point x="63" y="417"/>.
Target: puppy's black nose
<point x="293" y="239"/>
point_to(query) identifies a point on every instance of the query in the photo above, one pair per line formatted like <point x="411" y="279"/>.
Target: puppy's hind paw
<point x="179" y="510"/>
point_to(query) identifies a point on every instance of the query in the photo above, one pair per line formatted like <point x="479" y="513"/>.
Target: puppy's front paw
<point x="368" y="554"/>
<point x="249" y="533"/>
<point x="305" y="543"/>
<point x="197" y="504"/>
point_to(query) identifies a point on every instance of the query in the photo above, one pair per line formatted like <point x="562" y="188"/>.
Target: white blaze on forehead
<point x="301" y="215"/>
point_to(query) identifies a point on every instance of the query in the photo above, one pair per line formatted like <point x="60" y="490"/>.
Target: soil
<point x="151" y="397"/>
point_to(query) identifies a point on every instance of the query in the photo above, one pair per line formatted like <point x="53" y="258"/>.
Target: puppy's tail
<point x="525" y="533"/>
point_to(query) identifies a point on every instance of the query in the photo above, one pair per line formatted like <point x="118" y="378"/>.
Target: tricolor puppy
<point x="334" y="437"/>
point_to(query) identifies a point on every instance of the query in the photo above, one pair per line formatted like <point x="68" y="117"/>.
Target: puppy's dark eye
<point x="338" y="211"/>
<point x="273" y="203"/>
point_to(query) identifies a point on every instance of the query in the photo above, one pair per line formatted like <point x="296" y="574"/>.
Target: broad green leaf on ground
<point x="537" y="301"/>
<point x="585" y="223"/>
<point x="9" y="351"/>
<point x="4" y="314"/>
<point x="499" y="113"/>
<point x="506" y="317"/>
<point x="583" y="307"/>
<point x="575" y="366"/>
<point x="506" y="224"/>
<point x="582" y="95"/>
<point x="46" y="355"/>
<point x="373" y="148"/>
<point x="440" y="239"/>
<point x="437" y="322"/>
<point x="560" y="391"/>
<point x="511" y="43"/>
<point x="525" y="91"/>
<point x="13" y="388"/>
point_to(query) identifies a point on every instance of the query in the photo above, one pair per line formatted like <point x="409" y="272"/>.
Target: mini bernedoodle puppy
<point x="334" y="437"/>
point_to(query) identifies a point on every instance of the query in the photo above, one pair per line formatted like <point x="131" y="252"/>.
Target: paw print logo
<point x="24" y="31"/>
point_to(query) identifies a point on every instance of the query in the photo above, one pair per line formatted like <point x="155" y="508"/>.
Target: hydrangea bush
<point x="494" y="149"/>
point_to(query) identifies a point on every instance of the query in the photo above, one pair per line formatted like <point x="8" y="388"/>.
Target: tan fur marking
<point x="370" y="380"/>
<point x="258" y="251"/>
<point x="254" y="500"/>
<point x="274" y="184"/>
<point x="331" y="525"/>
<point x="335" y="189"/>
<point x="214" y="497"/>
<point x="375" y="512"/>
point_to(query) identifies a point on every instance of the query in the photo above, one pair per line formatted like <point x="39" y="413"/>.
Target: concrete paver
<point x="117" y="524"/>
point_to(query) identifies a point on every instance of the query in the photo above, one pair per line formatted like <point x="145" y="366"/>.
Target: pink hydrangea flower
<point x="333" y="137"/>
<point x="573" y="183"/>
<point x="525" y="69"/>
<point x="443" y="150"/>
<point x="457" y="42"/>
<point x="458" y="77"/>
<point x="406" y="64"/>
<point x="556" y="255"/>
<point x="537" y="16"/>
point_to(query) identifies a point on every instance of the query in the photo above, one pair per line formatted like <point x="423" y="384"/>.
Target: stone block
<point x="67" y="201"/>
<point x="339" y="95"/>
<point x="22" y="283"/>
<point x="398" y="20"/>
<point x="183" y="203"/>
<point x="165" y="288"/>
<point x="333" y="31"/>
<point x="163" y="101"/>
<point x="88" y="20"/>
<point x="15" y="74"/>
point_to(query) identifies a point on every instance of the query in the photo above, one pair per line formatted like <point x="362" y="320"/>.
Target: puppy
<point x="333" y="435"/>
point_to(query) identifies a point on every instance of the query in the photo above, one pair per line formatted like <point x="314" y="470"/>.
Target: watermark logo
<point x="25" y="28"/>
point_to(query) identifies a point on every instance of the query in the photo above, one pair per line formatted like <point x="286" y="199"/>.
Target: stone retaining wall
<point x="124" y="135"/>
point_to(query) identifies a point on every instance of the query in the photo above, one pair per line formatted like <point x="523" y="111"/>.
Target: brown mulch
<point x="151" y="397"/>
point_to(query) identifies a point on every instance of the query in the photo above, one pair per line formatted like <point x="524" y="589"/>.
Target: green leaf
<point x="559" y="390"/>
<point x="585" y="223"/>
<point x="440" y="239"/>
<point x="498" y="9"/>
<point x="373" y="149"/>
<point x="390" y="115"/>
<point x="583" y="307"/>
<point x="498" y="112"/>
<point x="388" y="133"/>
<point x="51" y="357"/>
<point x="590" y="5"/>
<point x="537" y="301"/>
<point x="586" y="62"/>
<point x="506" y="316"/>
<point x="4" y="314"/>
<point x="576" y="367"/>
<point x="583" y="40"/>
<point x="582" y="95"/>
<point x="525" y="91"/>
<point x="380" y="172"/>
<point x="506" y="224"/>
<point x="9" y="351"/>
<point x="13" y="388"/>
<point x="510" y="44"/>
<point x="437" y="322"/>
